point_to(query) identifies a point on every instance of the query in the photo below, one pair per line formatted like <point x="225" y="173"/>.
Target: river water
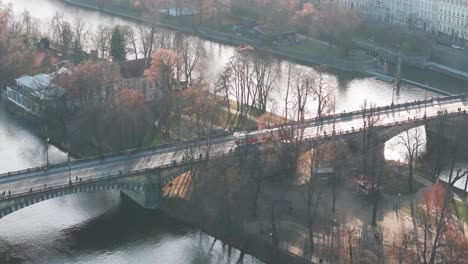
<point x="100" y="227"/>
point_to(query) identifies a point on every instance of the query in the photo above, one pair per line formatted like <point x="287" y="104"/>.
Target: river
<point x="100" y="227"/>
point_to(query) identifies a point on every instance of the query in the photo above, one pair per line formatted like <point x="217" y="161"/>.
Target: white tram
<point x="263" y="136"/>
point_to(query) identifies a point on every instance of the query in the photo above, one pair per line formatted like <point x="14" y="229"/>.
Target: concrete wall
<point x="450" y="57"/>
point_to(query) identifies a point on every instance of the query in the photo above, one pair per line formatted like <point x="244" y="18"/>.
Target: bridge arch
<point x="11" y="205"/>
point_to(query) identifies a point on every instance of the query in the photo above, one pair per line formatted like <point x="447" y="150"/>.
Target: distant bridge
<point x="142" y="173"/>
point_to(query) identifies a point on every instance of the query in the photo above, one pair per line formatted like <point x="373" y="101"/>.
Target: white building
<point x="453" y="18"/>
<point x="361" y="6"/>
<point x="447" y="17"/>
<point x="31" y="93"/>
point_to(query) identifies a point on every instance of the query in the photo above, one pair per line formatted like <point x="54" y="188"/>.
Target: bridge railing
<point x="379" y="109"/>
<point x="422" y="120"/>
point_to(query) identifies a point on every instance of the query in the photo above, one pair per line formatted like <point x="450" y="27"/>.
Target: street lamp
<point x="425" y="104"/>
<point x="69" y="165"/>
<point x="47" y="151"/>
<point x="399" y="201"/>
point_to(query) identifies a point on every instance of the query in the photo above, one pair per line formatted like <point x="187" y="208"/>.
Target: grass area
<point x="458" y="207"/>
<point x="424" y="173"/>
<point x="256" y="113"/>
<point x="246" y="123"/>
<point x="315" y="46"/>
<point x="154" y="138"/>
<point x="397" y="184"/>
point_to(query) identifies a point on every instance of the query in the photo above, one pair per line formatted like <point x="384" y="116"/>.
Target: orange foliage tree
<point x="336" y="24"/>
<point x="201" y="106"/>
<point x="440" y="238"/>
<point x="304" y="19"/>
<point x="131" y="98"/>
<point x="163" y="70"/>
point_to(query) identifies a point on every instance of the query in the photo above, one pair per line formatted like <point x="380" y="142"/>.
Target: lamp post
<point x="69" y="165"/>
<point x="425" y="104"/>
<point x="47" y="152"/>
<point x="47" y="145"/>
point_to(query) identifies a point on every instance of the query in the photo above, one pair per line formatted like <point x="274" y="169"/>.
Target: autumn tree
<point x="16" y="58"/>
<point x="435" y="225"/>
<point x="200" y="106"/>
<point x="305" y="18"/>
<point x="5" y="16"/>
<point x="211" y="11"/>
<point x="336" y="24"/>
<point x="164" y="70"/>
<point x="91" y="82"/>
<point x="130" y="117"/>
<point x="403" y="249"/>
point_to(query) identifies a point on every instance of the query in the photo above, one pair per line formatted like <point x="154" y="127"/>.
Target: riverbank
<point x="286" y="52"/>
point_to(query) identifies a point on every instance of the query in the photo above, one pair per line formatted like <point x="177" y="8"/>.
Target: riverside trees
<point x="15" y="55"/>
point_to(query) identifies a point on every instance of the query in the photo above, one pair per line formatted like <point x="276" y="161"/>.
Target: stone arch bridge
<point x="141" y="173"/>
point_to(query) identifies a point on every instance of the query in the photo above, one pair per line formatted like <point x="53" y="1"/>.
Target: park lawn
<point x="153" y="138"/>
<point x="246" y="124"/>
<point x="317" y="47"/>
<point x="398" y="184"/>
<point x="423" y="172"/>
<point x="457" y="207"/>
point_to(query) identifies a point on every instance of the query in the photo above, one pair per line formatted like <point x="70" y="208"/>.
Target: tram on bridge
<point x="263" y="136"/>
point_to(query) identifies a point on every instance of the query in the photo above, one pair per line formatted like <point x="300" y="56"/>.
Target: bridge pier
<point x="150" y="197"/>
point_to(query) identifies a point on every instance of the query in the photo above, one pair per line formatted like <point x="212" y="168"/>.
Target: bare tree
<point x="102" y="40"/>
<point x="412" y="140"/>
<point x="370" y="118"/>
<point x="266" y="73"/>
<point x="132" y="41"/>
<point x="192" y="55"/>
<point x="324" y="94"/>
<point x="62" y="33"/>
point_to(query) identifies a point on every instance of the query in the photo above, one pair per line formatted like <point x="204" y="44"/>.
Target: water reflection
<point x="396" y="149"/>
